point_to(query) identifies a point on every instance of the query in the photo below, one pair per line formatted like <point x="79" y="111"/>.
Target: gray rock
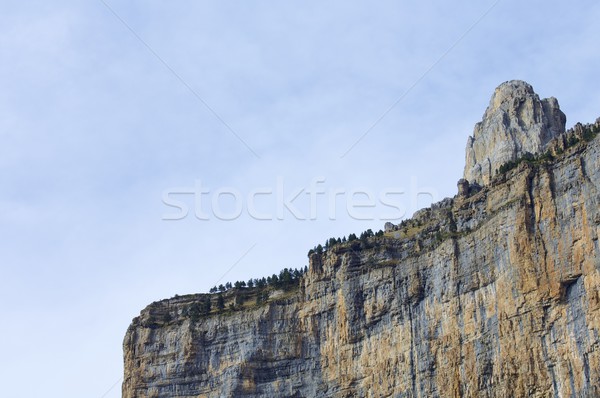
<point x="463" y="187"/>
<point x="515" y="122"/>
<point x="389" y="227"/>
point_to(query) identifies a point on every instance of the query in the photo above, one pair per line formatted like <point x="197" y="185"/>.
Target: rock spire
<point x="515" y="122"/>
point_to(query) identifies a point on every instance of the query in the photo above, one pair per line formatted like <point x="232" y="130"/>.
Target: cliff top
<point x="518" y="129"/>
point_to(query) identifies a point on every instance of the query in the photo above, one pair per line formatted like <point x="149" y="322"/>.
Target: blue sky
<point x="96" y="129"/>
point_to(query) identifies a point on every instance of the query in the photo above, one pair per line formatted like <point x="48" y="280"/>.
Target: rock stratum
<point x="492" y="293"/>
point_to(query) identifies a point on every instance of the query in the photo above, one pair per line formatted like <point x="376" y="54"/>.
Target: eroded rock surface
<point x="516" y="122"/>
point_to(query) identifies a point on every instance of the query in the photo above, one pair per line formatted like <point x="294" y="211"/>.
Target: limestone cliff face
<point x="515" y="122"/>
<point x="493" y="293"/>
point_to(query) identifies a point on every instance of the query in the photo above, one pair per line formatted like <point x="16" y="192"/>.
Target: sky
<point x="153" y="148"/>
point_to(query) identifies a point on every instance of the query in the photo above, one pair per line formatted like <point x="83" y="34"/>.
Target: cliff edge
<point x="492" y="293"/>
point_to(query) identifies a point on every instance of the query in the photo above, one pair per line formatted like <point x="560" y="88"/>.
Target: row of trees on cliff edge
<point x="286" y="278"/>
<point x="290" y="276"/>
<point x="573" y="137"/>
<point x="332" y="242"/>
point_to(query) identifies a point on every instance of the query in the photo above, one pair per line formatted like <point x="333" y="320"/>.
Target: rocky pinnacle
<point x="515" y="122"/>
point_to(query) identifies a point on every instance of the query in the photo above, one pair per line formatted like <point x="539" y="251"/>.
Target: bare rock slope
<point x="515" y="123"/>
<point x="492" y="293"/>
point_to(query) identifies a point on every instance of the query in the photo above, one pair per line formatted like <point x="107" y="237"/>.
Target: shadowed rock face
<point x="515" y="122"/>
<point x="492" y="293"/>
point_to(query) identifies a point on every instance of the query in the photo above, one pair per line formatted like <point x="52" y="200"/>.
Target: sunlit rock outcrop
<point x="516" y="122"/>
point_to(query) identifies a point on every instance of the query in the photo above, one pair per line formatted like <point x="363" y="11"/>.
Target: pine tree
<point x="274" y="280"/>
<point x="220" y="302"/>
<point x="262" y="297"/>
<point x="239" y="299"/>
<point x="205" y="306"/>
<point x="195" y="311"/>
<point x="285" y="278"/>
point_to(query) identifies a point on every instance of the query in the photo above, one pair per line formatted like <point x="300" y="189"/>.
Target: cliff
<point x="492" y="293"/>
<point x="516" y="122"/>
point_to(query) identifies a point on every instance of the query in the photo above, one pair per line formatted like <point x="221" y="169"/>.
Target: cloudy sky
<point x="153" y="148"/>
